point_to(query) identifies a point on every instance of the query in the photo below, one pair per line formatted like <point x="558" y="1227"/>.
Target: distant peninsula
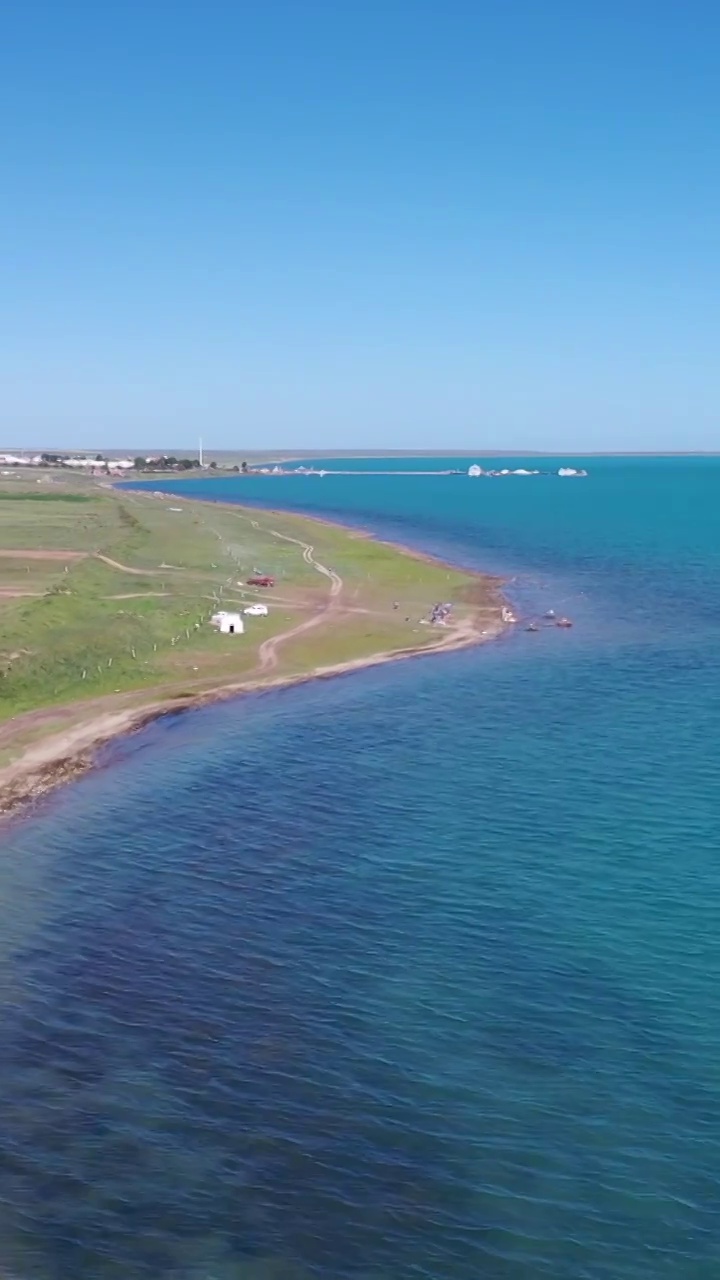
<point x="113" y="603"/>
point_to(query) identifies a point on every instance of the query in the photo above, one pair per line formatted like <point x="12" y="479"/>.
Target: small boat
<point x="563" y="622"/>
<point x="532" y="626"/>
<point x="550" y="614"/>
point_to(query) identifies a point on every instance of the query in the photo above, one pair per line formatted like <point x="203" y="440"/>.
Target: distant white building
<point x="475" y="470"/>
<point x="120" y="464"/>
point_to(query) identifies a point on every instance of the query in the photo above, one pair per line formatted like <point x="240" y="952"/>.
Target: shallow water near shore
<point x="414" y="973"/>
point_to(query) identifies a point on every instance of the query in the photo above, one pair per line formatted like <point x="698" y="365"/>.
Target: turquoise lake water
<point x="411" y="974"/>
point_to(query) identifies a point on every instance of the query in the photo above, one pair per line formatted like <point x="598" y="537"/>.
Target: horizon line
<point x="290" y="454"/>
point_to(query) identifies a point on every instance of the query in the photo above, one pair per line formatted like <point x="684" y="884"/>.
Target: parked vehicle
<point x="261" y="581"/>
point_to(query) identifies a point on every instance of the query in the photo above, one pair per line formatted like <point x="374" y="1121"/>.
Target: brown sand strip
<point x="43" y="555"/>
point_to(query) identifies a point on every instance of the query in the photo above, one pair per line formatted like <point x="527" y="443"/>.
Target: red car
<point x="261" y="582"/>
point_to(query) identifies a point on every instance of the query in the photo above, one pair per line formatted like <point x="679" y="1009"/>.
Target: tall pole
<point x="200" y="453"/>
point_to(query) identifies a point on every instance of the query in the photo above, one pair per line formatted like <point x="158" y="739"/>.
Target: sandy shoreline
<point x="63" y="756"/>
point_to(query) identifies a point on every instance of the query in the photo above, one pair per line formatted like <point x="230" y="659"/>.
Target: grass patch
<point x="43" y="497"/>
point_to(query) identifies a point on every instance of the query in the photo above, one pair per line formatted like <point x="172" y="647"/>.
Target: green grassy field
<point x="74" y="627"/>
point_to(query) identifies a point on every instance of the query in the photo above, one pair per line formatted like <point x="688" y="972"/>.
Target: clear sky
<point x="360" y="223"/>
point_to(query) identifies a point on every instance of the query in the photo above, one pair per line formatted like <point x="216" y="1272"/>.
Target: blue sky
<point x="396" y="223"/>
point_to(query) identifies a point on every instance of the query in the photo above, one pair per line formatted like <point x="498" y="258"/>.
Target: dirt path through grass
<point x="139" y="595"/>
<point x="267" y="653"/>
<point x="48" y="554"/>
<point x="126" y="568"/>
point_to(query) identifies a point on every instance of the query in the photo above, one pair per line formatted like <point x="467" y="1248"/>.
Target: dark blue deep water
<point x="411" y="974"/>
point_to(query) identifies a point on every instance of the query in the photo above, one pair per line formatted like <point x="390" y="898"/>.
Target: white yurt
<point x="230" y="624"/>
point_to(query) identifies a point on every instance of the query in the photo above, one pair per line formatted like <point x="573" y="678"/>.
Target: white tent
<point x="231" y="624"/>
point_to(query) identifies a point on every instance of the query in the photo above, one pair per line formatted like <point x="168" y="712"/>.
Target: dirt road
<point x="42" y="555"/>
<point x="267" y="653"/>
